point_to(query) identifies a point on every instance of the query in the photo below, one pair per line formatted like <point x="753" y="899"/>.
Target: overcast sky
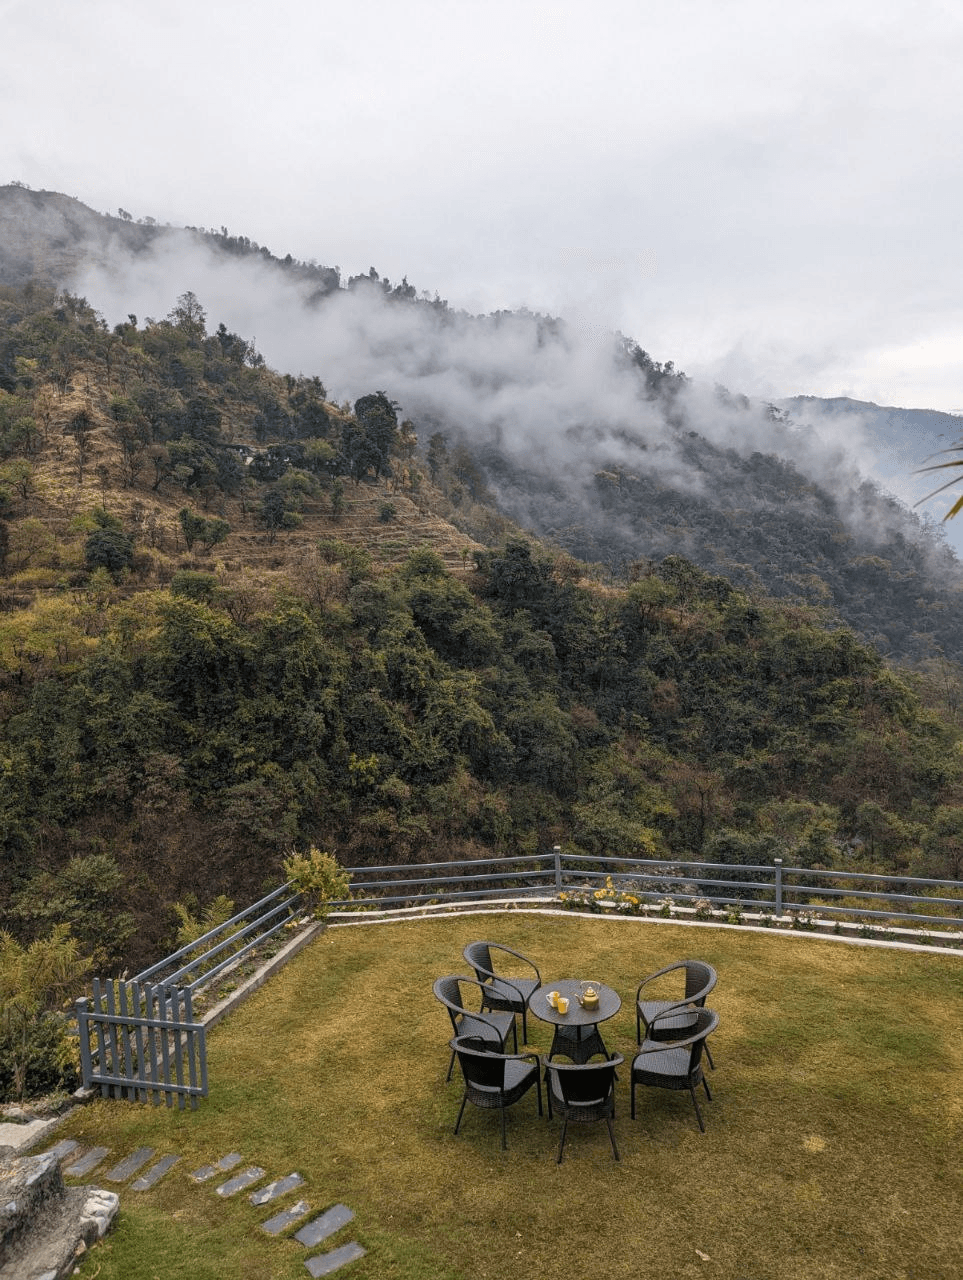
<point x="769" y="195"/>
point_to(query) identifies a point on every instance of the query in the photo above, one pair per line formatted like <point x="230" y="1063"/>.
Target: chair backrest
<point x="479" y="956"/>
<point x="706" y="1022"/>
<point x="585" y="1082"/>
<point x="450" y="991"/>
<point x="700" y="978"/>
<point x="480" y="1066"/>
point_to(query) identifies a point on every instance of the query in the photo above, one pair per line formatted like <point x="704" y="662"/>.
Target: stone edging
<point x="257" y="979"/>
<point x="400" y="915"/>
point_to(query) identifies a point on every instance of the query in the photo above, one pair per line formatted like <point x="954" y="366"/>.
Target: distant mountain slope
<point x="903" y="441"/>
<point x="43" y="236"/>
<point x="579" y="436"/>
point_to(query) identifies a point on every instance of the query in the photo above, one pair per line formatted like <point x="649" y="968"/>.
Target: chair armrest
<point x="669" y="968"/>
<point x="660" y="1046"/>
<point x="669" y="1012"/>
<point x="518" y="956"/>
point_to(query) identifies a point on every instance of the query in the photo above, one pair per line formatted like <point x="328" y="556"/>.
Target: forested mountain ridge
<point x="236" y="618"/>
<point x="584" y="440"/>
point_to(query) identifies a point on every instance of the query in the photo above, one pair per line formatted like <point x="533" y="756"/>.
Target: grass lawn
<point x="832" y="1146"/>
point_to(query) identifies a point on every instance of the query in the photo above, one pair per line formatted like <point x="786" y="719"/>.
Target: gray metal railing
<point x="774" y="889"/>
<point x="197" y="963"/>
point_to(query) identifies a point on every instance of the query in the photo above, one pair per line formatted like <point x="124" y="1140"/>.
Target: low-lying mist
<point x="556" y="397"/>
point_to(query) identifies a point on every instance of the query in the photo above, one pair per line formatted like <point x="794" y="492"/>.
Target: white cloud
<point x="748" y="187"/>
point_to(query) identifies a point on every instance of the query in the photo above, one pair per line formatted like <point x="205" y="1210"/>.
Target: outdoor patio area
<point x="831" y="1146"/>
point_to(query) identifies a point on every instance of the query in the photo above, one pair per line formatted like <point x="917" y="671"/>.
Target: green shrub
<point x="37" y="984"/>
<point x="320" y="878"/>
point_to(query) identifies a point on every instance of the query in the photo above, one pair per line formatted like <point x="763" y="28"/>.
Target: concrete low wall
<point x="257" y="979"/>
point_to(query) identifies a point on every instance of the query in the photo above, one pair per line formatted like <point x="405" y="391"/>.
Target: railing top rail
<point x="666" y="863"/>
<point x="450" y="866"/>
<point x="869" y="875"/>
<point x="235" y="920"/>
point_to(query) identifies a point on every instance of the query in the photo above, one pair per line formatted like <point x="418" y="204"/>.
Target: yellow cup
<point x="553" y="999"/>
<point x="562" y="1004"/>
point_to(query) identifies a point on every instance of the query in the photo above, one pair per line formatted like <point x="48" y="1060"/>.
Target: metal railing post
<point x="557" y="852"/>
<point x="777" y="862"/>
<point x="83" y="1031"/>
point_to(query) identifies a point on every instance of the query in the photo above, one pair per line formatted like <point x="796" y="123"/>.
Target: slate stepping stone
<point x="286" y="1218"/>
<point x="63" y="1149"/>
<point x="241" y="1181"/>
<point x="154" y="1174"/>
<point x="319" y="1229"/>
<point x="223" y="1165"/>
<point x="129" y="1165"/>
<point x="280" y="1187"/>
<point x="80" y="1168"/>
<point x="325" y="1263"/>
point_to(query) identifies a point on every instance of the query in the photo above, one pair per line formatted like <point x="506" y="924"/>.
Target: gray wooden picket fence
<point x="140" y="1041"/>
<point x="140" y="1038"/>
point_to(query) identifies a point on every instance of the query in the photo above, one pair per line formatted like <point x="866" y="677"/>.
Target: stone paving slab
<point x="223" y="1165"/>
<point x="22" y="1136"/>
<point x="130" y="1165"/>
<point x="319" y="1229"/>
<point x="325" y="1263"/>
<point x="280" y="1187"/>
<point x="241" y="1181"/>
<point x="286" y="1218"/>
<point x="154" y="1174"/>
<point x="80" y="1168"/>
<point x="63" y="1149"/>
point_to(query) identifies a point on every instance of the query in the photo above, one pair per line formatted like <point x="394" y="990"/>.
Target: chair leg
<point x="705" y="1085"/>
<point x="612" y="1136"/>
<point x="558" y="1158"/>
<point x="451" y="1067"/>
<point x="461" y="1112"/>
<point x="709" y="1055"/>
<point x="697" y="1111"/>
<point x="524" y="1025"/>
<point x="538" y="1087"/>
<point x="515" y="1034"/>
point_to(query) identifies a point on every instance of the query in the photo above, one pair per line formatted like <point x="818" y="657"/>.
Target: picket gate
<point x="139" y="1041"/>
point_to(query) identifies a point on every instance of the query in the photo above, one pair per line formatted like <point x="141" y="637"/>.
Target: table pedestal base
<point x="578" y="1043"/>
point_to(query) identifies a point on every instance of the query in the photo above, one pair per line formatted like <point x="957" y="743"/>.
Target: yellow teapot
<point x="588" y="996"/>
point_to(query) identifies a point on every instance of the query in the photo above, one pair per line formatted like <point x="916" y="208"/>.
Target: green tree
<point x="35" y="983"/>
<point x="110" y="549"/>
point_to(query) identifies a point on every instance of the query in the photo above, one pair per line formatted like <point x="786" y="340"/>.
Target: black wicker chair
<point x="494" y="1028"/>
<point x="494" y="1079"/>
<point x="582" y="1092"/>
<point x="503" y="992"/>
<point x="676" y="1064"/>
<point x="670" y="1019"/>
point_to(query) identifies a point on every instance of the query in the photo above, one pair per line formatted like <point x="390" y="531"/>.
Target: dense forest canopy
<point x="238" y="617"/>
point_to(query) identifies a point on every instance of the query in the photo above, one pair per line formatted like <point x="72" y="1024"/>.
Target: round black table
<point x="576" y="1031"/>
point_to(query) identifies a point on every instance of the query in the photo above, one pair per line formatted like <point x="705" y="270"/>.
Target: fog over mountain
<point x="579" y="434"/>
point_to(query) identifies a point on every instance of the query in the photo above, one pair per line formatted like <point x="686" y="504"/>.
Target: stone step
<point x="28" y="1183"/>
<point x="286" y="1218"/>
<point x="47" y="1225"/>
<point x="54" y="1251"/>
<point x="130" y="1165"/>
<point x="241" y="1181"/>
<point x="154" y="1173"/>
<point x="223" y="1165"/>
<point x="86" y="1163"/>
<point x="325" y="1263"/>
<point x="319" y="1229"/>
<point x="273" y="1190"/>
